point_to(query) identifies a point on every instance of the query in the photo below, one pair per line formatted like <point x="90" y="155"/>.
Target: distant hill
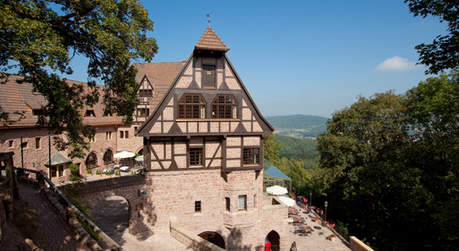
<point x="299" y="126"/>
<point x="296" y="148"/>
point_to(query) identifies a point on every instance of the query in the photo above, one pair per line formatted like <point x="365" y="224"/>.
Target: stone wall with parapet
<point x="358" y="245"/>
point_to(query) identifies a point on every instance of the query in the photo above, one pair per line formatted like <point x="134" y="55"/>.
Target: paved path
<point x="317" y="239"/>
<point x="52" y="233"/>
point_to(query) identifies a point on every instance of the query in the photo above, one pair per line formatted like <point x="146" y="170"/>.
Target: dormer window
<point x="89" y="113"/>
<point x="224" y="107"/>
<point x="209" y="76"/>
<point x="143" y="112"/>
<point x="145" y="93"/>
<point x="192" y="106"/>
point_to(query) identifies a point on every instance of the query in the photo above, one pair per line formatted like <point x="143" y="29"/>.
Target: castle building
<point x="201" y="135"/>
<point x="203" y="150"/>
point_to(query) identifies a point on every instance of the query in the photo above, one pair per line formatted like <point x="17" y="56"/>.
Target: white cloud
<point x="396" y="64"/>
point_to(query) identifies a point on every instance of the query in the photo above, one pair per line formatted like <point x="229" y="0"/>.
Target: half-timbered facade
<point x="203" y="151"/>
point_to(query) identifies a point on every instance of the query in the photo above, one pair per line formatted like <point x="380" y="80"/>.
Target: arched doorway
<point x="274" y="238"/>
<point x="91" y="160"/>
<point x="111" y="214"/>
<point x="140" y="152"/>
<point x="108" y="156"/>
<point x="213" y="237"/>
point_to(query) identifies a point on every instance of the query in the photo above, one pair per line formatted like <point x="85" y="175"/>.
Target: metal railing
<point x="105" y="241"/>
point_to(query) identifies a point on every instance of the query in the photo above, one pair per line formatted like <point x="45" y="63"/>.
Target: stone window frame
<point x="228" y="204"/>
<point x="242" y="207"/>
<point x="37" y="143"/>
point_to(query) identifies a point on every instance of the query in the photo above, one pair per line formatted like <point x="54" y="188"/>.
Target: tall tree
<point x="443" y="52"/>
<point x="39" y="39"/>
<point x="390" y="166"/>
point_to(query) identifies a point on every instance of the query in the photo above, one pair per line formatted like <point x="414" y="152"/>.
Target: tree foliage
<point x="38" y="39"/>
<point x="390" y="167"/>
<point x="443" y="52"/>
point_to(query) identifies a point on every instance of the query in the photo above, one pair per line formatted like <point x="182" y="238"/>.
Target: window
<point x="135" y="128"/>
<point x="107" y="113"/>
<point x="197" y="206"/>
<point x="251" y="156"/>
<point x="53" y="171"/>
<point x="24" y="145"/>
<point x="61" y="171"/>
<point x="143" y="112"/>
<point x="254" y="201"/>
<point x="89" y="113"/>
<point x="37" y="112"/>
<point x="224" y="107"/>
<point x="108" y="157"/>
<point x="124" y="134"/>
<point x="228" y="204"/>
<point x="192" y="106"/>
<point x="108" y="135"/>
<point x="196" y="156"/>
<point x="37" y="143"/>
<point x="10" y="143"/>
<point x="242" y="202"/>
<point x="209" y="76"/>
<point x="92" y="139"/>
<point x="145" y="93"/>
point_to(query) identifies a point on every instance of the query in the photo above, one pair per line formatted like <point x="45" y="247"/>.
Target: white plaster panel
<point x="244" y="104"/>
<point x="182" y="126"/>
<point x="184" y="82"/>
<point x="171" y="101"/>
<point x="166" y="164"/>
<point x="247" y="126"/>
<point x="224" y="127"/>
<point x="168" y="151"/>
<point x="155" y="165"/>
<point x="213" y="126"/>
<point x="168" y="113"/>
<point x="233" y="126"/>
<point x="233" y="153"/>
<point x="233" y="141"/>
<point x="156" y="128"/>
<point x="252" y="141"/>
<point x="179" y="148"/>
<point x="256" y="127"/>
<point x="159" y="150"/>
<point x="246" y="114"/>
<point x="192" y="127"/>
<point x="216" y="163"/>
<point x="189" y="69"/>
<point x="232" y="84"/>
<point x="211" y="147"/>
<point x="202" y="126"/>
<point x="167" y="126"/>
<point x="233" y="163"/>
<point x="181" y="161"/>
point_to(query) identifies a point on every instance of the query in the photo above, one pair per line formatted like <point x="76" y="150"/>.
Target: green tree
<point x="389" y="167"/>
<point x="38" y="39"/>
<point x="443" y="52"/>
<point x="271" y="149"/>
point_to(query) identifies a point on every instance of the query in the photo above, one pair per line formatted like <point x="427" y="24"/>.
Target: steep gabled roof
<point x="211" y="41"/>
<point x="161" y="76"/>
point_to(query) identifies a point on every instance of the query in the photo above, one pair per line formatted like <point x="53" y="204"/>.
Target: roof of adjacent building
<point x="58" y="159"/>
<point x="160" y="75"/>
<point x="211" y="41"/>
<point x="274" y="172"/>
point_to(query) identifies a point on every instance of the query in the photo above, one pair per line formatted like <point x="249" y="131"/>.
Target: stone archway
<point x="274" y="238"/>
<point x="108" y="156"/>
<point x="112" y="215"/>
<point x="213" y="237"/>
<point x="91" y="160"/>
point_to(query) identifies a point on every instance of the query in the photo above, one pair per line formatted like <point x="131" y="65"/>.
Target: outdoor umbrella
<point x="124" y="155"/>
<point x="287" y="201"/>
<point x="276" y="190"/>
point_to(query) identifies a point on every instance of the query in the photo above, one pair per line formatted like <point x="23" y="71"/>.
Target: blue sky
<point x="301" y="57"/>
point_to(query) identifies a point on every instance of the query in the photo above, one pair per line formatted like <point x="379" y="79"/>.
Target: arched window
<point x="91" y="160"/>
<point x="224" y="107"/>
<point x="108" y="157"/>
<point x="192" y="106"/>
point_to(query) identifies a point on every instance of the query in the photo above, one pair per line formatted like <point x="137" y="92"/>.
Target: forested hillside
<point x="299" y="126"/>
<point x="298" y="149"/>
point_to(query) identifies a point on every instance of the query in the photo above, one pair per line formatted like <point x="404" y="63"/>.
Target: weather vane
<point x="208" y="19"/>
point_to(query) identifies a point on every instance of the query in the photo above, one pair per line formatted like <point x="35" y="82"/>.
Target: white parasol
<point x="287" y="201"/>
<point x="124" y="155"/>
<point x="276" y="190"/>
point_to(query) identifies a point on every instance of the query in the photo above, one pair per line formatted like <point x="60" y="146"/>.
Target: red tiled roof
<point x="211" y="41"/>
<point x="161" y="75"/>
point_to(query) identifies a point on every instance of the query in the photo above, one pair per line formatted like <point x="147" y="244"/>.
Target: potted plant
<point x="98" y="173"/>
